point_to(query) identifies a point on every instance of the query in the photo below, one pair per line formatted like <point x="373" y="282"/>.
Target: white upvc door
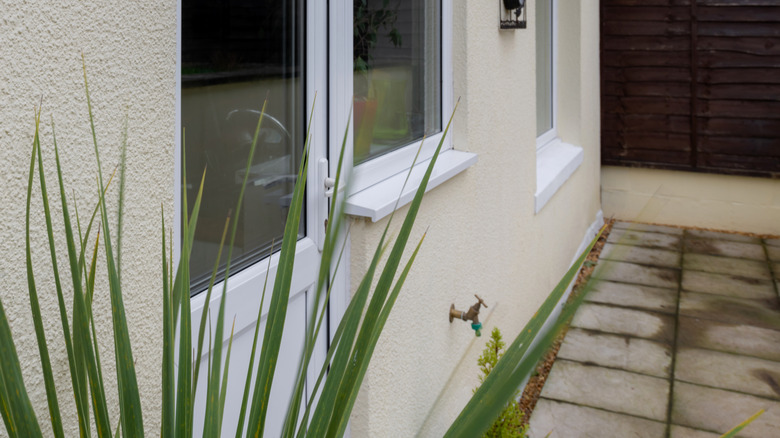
<point x="223" y="79"/>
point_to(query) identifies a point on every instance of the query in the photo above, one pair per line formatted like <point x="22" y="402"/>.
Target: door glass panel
<point x="235" y="53"/>
<point x="544" y="67"/>
<point x="397" y="74"/>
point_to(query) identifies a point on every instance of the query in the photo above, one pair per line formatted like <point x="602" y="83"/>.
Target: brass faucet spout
<point x="470" y="315"/>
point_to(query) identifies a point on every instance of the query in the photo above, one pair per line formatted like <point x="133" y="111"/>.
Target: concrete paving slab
<point x="614" y="351"/>
<point x="718" y="410"/>
<point x="773" y="252"/>
<point x="737" y="338"/>
<point x="726" y="248"/>
<point x="565" y="420"/>
<point x="722" y="236"/>
<point x="730" y="285"/>
<point x="635" y="226"/>
<point x="776" y="270"/>
<point x="614" y="390"/>
<point x="634" y="295"/>
<point x="641" y="255"/>
<point x="759" y="313"/>
<point x="687" y="432"/>
<point x="636" y="274"/>
<point x="728" y="371"/>
<point x="726" y="265"/>
<point x="772" y="242"/>
<point x="616" y="320"/>
<point x="648" y="239"/>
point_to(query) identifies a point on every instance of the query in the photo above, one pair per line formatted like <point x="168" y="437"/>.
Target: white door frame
<point x="245" y="299"/>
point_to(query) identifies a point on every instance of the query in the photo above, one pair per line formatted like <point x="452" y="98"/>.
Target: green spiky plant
<point x="509" y="423"/>
<point x="340" y="377"/>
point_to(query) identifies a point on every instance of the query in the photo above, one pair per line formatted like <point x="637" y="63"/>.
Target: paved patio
<point x="679" y="338"/>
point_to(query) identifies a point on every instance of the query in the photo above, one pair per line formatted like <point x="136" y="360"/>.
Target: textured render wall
<point x="484" y="236"/>
<point x="130" y="48"/>
<point x="723" y="202"/>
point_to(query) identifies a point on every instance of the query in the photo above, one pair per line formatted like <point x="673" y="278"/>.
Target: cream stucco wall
<point x="484" y="236"/>
<point x="723" y="202"/>
<point x="130" y="50"/>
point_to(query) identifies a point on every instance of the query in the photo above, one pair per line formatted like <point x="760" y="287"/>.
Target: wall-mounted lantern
<point x="512" y="15"/>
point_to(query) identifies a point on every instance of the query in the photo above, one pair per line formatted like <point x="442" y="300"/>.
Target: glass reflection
<point x="397" y="74"/>
<point x="235" y="54"/>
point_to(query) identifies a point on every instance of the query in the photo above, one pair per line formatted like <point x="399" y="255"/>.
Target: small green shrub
<point x="509" y="423"/>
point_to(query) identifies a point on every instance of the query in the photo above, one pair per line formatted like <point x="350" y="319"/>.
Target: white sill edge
<point x="380" y="199"/>
<point x="555" y="163"/>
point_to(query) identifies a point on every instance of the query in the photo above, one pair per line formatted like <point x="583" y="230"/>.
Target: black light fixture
<point x="512" y="15"/>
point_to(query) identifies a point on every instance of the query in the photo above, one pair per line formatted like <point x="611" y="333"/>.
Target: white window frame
<point x="372" y="173"/>
<point x="242" y="286"/>
<point x="556" y="161"/>
<point x="315" y="61"/>
<point x="551" y="136"/>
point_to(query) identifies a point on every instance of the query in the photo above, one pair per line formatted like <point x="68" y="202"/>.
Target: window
<point x="401" y="80"/>
<point x="397" y="74"/>
<point x="556" y="161"/>
<point x="545" y="72"/>
<point x="234" y="54"/>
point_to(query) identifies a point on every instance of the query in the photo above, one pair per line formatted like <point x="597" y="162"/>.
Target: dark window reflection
<point x="235" y="54"/>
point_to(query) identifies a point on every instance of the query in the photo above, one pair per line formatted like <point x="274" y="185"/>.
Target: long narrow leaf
<point x="224" y="386"/>
<point x="360" y="360"/>
<point x="80" y="353"/>
<point x="382" y="318"/>
<point x="168" y="375"/>
<point x="380" y="323"/>
<point x="502" y="382"/>
<point x="180" y="296"/>
<point x="274" y="328"/>
<point x="43" y="350"/>
<point x="18" y="412"/>
<point x="249" y="373"/>
<point x="493" y="402"/>
<point x="5" y="408"/>
<point x="210" y="288"/>
<point x="347" y="330"/>
<point x="343" y="341"/>
<point x="89" y="290"/>
<point x="85" y="237"/>
<point x="334" y="346"/>
<point x="129" y="398"/>
<point x="738" y="428"/>
<point x="212" y="416"/>
<point x="121" y="201"/>
<point x="332" y="231"/>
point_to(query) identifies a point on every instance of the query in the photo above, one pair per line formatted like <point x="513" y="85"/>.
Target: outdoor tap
<point x="470" y="315"/>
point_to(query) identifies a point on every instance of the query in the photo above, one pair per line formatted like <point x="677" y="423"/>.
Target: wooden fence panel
<point x="691" y="85"/>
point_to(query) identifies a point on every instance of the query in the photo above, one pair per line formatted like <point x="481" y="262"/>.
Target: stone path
<point x="679" y="338"/>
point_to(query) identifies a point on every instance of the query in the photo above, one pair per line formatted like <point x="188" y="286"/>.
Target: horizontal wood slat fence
<point x="691" y="85"/>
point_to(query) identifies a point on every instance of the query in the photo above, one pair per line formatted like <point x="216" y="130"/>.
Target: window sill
<point x="555" y="163"/>
<point x="379" y="200"/>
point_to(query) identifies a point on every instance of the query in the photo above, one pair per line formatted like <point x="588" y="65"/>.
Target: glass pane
<point x="544" y="66"/>
<point x="236" y="53"/>
<point x="397" y="74"/>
